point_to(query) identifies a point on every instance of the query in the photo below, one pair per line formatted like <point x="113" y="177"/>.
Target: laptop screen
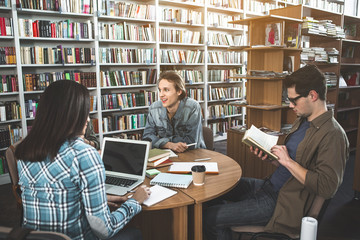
<point x="124" y="157"/>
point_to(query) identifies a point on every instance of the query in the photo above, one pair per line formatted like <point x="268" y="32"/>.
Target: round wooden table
<point x="183" y="219"/>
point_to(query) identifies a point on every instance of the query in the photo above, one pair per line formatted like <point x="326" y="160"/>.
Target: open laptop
<point x="125" y="164"/>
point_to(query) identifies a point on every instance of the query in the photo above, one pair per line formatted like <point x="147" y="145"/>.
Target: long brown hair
<point x="61" y="115"/>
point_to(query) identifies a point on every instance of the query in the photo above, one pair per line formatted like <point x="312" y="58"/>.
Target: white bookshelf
<point x="97" y="17"/>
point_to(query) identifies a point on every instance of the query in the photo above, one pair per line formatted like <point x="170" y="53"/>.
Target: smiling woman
<point x="175" y="120"/>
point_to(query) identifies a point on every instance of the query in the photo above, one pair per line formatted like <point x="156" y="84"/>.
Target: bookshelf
<point x="216" y="69"/>
<point x="9" y="90"/>
<point x="348" y="107"/>
<point x="265" y="106"/>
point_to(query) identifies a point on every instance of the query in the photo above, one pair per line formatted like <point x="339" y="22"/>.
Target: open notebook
<point x="158" y="194"/>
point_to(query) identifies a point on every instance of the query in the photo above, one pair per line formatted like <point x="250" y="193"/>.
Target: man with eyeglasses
<point x="311" y="163"/>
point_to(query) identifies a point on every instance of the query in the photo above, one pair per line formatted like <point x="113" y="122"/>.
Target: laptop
<point x="125" y="164"/>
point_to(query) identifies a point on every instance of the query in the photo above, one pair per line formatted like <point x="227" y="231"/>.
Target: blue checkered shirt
<point x="58" y="195"/>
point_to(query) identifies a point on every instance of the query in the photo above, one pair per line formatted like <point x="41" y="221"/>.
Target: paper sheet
<point x="158" y="193"/>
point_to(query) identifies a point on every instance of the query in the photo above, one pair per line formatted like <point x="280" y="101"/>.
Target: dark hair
<point x="175" y="78"/>
<point x="306" y="79"/>
<point x="61" y="115"/>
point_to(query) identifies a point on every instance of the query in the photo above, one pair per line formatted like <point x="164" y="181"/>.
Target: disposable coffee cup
<point x="198" y="173"/>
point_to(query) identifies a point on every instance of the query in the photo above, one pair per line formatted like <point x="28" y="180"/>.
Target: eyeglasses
<point x="293" y="100"/>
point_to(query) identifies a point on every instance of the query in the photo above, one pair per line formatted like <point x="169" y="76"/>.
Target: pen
<point x="131" y="191"/>
<point x="191" y="144"/>
<point x="201" y="159"/>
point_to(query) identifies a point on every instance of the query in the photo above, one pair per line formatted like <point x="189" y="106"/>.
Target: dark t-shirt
<point x="281" y="174"/>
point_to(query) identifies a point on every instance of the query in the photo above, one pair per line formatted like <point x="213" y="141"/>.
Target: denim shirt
<point x="185" y="125"/>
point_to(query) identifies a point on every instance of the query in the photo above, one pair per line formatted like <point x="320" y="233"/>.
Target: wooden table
<point x="184" y="209"/>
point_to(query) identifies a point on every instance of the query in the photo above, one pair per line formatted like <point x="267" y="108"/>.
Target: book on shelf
<point x="156" y="153"/>
<point x="273" y="34"/>
<point x="172" y="180"/>
<point x="256" y="138"/>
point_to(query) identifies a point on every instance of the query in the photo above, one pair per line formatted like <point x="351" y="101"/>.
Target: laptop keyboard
<point x="123" y="182"/>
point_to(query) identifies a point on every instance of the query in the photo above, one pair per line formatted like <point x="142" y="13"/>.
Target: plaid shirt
<point x="58" y="195"/>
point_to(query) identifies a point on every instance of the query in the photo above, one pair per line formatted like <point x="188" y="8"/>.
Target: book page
<point x="158" y="193"/>
<point x="265" y="140"/>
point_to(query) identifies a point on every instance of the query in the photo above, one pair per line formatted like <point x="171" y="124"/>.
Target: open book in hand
<point x="255" y="138"/>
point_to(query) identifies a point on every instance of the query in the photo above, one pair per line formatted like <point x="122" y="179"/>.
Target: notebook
<point x="158" y="193"/>
<point x="125" y="164"/>
<point x="172" y="180"/>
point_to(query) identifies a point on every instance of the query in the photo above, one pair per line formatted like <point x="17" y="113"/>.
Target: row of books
<point x="127" y="78"/>
<point x="225" y="3"/>
<point x="7" y="56"/>
<point x="181" y="15"/>
<point x="31" y="107"/>
<point x="191" y="76"/>
<point x="127" y="55"/>
<point x="55" y="29"/>
<point x="78" y="55"/>
<point x="127" y="9"/>
<point x="181" y="56"/>
<point x="260" y="6"/>
<point x="224" y="93"/>
<point x="124" y="122"/>
<point x="56" y="55"/>
<point x="195" y="93"/>
<point x="218" y="38"/>
<point x="126" y="31"/>
<point x="322" y="27"/>
<point x="220" y="57"/>
<point x="5" y="3"/>
<point x="222" y="20"/>
<point x="9" y="110"/>
<point x="6" y="26"/>
<point x="180" y="36"/>
<point x="223" y="75"/>
<point x="222" y="126"/>
<point x="221" y="111"/>
<point x="9" y="83"/>
<point x="331" y="79"/>
<point x="320" y="54"/>
<point x="3" y="164"/>
<point x="9" y="135"/>
<point x="93" y="103"/>
<point x="333" y="6"/>
<point x="127" y="100"/>
<point x="133" y="136"/>
<point x="73" y="6"/>
<point x="39" y="81"/>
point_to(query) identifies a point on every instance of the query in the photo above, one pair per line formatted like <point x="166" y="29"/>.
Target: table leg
<point x="198" y="222"/>
<point x="180" y="223"/>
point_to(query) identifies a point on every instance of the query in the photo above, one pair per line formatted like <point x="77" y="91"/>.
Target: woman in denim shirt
<point x="175" y="120"/>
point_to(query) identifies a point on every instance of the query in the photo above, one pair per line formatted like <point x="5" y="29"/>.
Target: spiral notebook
<point x="172" y="180"/>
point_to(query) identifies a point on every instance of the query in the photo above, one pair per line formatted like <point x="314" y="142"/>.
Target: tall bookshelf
<point x="264" y="106"/>
<point x="98" y="71"/>
<point x="348" y="107"/>
<point x="10" y="92"/>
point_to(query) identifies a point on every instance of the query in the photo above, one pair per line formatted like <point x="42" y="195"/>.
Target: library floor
<point x="341" y="220"/>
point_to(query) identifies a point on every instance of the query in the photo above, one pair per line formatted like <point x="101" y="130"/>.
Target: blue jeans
<point x="251" y="202"/>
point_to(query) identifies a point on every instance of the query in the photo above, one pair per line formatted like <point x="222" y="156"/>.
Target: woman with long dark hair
<point x="63" y="179"/>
